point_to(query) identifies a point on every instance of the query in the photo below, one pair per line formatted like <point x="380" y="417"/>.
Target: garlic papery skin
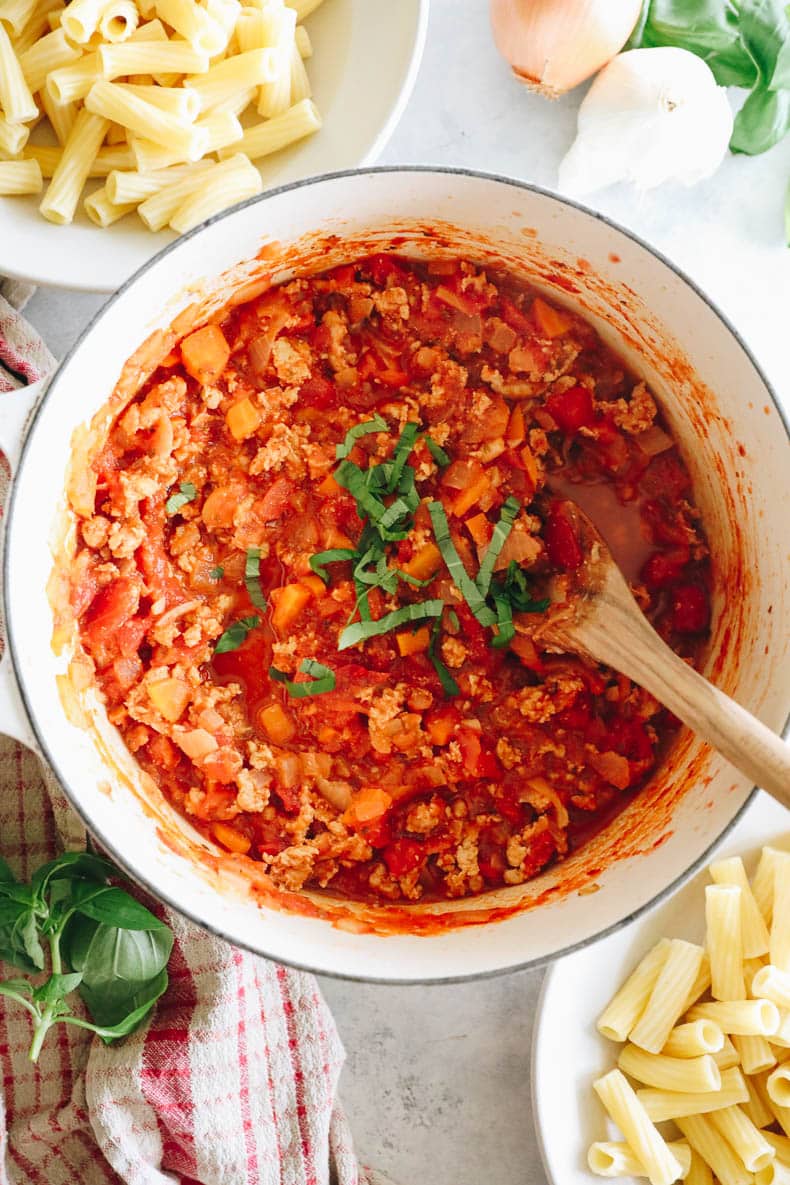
<point x="651" y="115"/>
<point x="553" y="45"/>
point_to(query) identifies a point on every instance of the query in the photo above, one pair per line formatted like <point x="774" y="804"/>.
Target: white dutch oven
<point x="734" y="440"/>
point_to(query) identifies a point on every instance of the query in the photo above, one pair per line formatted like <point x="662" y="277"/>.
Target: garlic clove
<point x="650" y="116"/>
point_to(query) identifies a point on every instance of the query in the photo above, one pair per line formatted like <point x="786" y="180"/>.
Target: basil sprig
<point x="359" y="631"/>
<point x="252" y="577"/>
<point x="100" y="942"/>
<point x="463" y="581"/>
<point x="236" y="634"/>
<point x="323" y="679"/>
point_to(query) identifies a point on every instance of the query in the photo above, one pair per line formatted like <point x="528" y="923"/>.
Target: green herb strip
<point x="252" y="577"/>
<point x="236" y="634"/>
<point x="504" y="622"/>
<point x="403" y="450"/>
<point x="377" y="424"/>
<point x="216" y="573"/>
<point x="499" y="538"/>
<point x="515" y="589"/>
<point x="187" y="493"/>
<point x="466" y="586"/>
<point x="449" y="685"/>
<point x="437" y="452"/>
<point x="335" y="555"/>
<point x="323" y="680"/>
<point x="359" y="631"/>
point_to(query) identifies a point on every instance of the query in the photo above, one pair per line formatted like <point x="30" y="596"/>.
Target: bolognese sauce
<point x="324" y="536"/>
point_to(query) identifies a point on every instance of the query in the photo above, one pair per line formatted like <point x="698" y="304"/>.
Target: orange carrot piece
<point x="369" y="803"/>
<point x="242" y="418"/>
<point x="480" y="529"/>
<point x="328" y="488"/>
<point x="315" y="584"/>
<point x="230" y="838"/>
<point x="530" y="465"/>
<point x="424" y="562"/>
<point x="470" y="496"/>
<point x="289" y="601"/>
<point x="279" y="726"/>
<point x="550" y="320"/>
<point x="414" y="643"/>
<point x="205" y="353"/>
<point x="516" y="431"/>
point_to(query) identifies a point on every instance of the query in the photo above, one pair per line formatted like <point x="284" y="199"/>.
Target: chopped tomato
<point x="690" y="609"/>
<point x="572" y="409"/>
<point x="561" y="539"/>
<point x="403" y="856"/>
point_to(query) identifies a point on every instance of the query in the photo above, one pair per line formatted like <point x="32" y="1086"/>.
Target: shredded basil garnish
<point x="449" y="685"/>
<point x="187" y="493"/>
<point x="335" y="555"/>
<point x="502" y="529"/>
<point x="437" y="452"/>
<point x="504" y="622"/>
<point x="466" y="586"/>
<point x="216" y="573"/>
<point x="236" y="634"/>
<point x="252" y="577"/>
<point x="403" y="449"/>
<point x="360" y="630"/>
<point x="323" y="681"/>
<point x="515" y="589"/>
<point x="377" y="424"/>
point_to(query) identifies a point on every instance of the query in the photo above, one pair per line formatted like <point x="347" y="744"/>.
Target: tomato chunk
<point x="562" y="541"/>
<point x="690" y="609"/>
<point x="572" y="409"/>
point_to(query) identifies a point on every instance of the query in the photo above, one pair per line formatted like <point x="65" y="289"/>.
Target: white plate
<point x="568" y="1052"/>
<point x="365" y="60"/>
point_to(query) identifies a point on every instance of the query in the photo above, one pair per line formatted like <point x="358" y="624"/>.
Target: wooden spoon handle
<point x="623" y="638"/>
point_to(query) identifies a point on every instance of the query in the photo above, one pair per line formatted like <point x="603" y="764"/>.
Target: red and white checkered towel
<point x="233" y="1081"/>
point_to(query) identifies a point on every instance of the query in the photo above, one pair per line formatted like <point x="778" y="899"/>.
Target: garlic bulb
<point x="553" y="45"/>
<point x="651" y="115"/>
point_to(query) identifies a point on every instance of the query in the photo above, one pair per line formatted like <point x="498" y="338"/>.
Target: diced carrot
<point x="441" y="725"/>
<point x="471" y="495"/>
<point x="369" y="803"/>
<point x="527" y="651"/>
<point x="328" y="488"/>
<point x="278" y="725"/>
<point x="205" y="353"/>
<point x="454" y="300"/>
<point x="328" y="735"/>
<point x="242" y="418"/>
<point x="170" y="697"/>
<point x="550" y="320"/>
<point x="516" y="431"/>
<point x="230" y="838"/>
<point x="220" y="507"/>
<point x="530" y="465"/>
<point x="413" y="643"/>
<point x="480" y="529"/>
<point x="289" y="601"/>
<point x="315" y="584"/>
<point x="424" y="562"/>
<point x="334" y="537"/>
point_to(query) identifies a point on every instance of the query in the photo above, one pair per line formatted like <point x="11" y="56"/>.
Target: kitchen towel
<point x="233" y="1081"/>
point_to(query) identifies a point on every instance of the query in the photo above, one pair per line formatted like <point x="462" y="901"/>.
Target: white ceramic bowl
<point x="365" y="61"/>
<point x="734" y="440"/>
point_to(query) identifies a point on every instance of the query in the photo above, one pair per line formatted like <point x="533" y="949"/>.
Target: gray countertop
<point x="437" y="1080"/>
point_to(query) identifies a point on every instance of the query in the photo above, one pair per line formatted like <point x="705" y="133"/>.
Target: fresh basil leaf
<point x="781" y="74"/>
<point x="764" y="30"/>
<point x="463" y="581"/>
<point x="11" y="911"/>
<point x="216" y="573"/>
<point x="19" y="989"/>
<point x="236" y="634"/>
<point x="323" y="679"/>
<point x="114" y="907"/>
<point x="115" y="963"/>
<point x="377" y="424"/>
<point x="71" y="864"/>
<point x="186" y="493"/>
<point x="56" y="987"/>
<point x="762" y="121"/>
<point x="335" y="555"/>
<point x="252" y="577"/>
<point x="6" y="875"/>
<point x="449" y="685"/>
<point x="120" y="1019"/>
<point x="31" y="944"/>
<point x="504" y="620"/>
<point x="360" y="630"/>
<point x="403" y="449"/>
<point x="499" y="538"/>
<point x="441" y="458"/>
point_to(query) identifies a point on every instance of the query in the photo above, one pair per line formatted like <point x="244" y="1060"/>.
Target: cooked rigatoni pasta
<point x="699" y="1171"/>
<point x="779" y="946"/>
<point x="20" y="176"/>
<point x="778" y="1085"/>
<point x="725" y="949"/>
<point x="700" y="984"/>
<point x="754" y="932"/>
<point x="746" y="1140"/>
<point x="689" y="1074"/>
<point x="727" y="1056"/>
<point x="705" y="1139"/>
<point x="79" y="151"/>
<point x="668" y="996"/>
<point x="694" y="1039"/>
<point x="671" y="1104"/>
<point x="16" y="101"/>
<point x="303" y="8"/>
<point x="233" y="181"/>
<point x="763" y="882"/>
<point x="754" y="1106"/>
<point x="746" y="1017"/>
<point x="614" y="1158"/>
<point x="754" y="1053"/>
<point x="168" y="81"/>
<point x="770" y="983"/>
<point x="627" y="1005"/>
<point x="649" y="1146"/>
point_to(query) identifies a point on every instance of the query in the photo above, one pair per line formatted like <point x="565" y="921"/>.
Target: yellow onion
<point x="553" y="45"/>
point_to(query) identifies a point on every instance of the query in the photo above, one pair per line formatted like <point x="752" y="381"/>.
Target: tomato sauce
<point x="324" y="535"/>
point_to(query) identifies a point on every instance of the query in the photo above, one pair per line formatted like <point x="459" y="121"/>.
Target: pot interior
<point x="720" y="411"/>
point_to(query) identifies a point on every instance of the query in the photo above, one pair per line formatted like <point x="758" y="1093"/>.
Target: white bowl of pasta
<point x="715" y="402"/>
<point x="684" y="1030"/>
<point x="209" y="106"/>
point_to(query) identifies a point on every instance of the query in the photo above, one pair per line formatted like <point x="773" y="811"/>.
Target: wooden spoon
<point x="599" y="618"/>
